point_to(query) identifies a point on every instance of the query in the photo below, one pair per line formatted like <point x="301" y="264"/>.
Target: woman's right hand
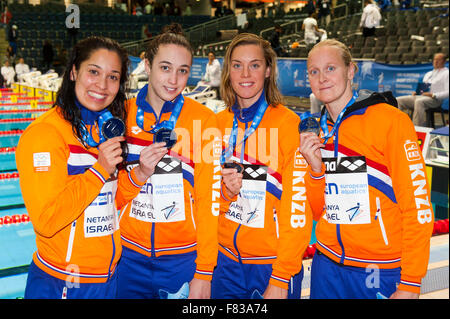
<point x="232" y="180"/>
<point x="110" y="154"/>
<point x="310" y="145"/>
<point x="149" y="158"/>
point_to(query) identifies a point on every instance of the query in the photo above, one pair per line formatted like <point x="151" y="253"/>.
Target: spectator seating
<point x="38" y="23"/>
<point x="394" y="45"/>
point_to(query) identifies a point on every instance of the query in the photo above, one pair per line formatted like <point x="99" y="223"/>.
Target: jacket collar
<point x="89" y="117"/>
<point x="142" y="102"/>
<point x="246" y="115"/>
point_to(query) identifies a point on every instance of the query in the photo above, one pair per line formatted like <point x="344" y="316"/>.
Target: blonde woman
<point x="265" y="222"/>
<point x="367" y="188"/>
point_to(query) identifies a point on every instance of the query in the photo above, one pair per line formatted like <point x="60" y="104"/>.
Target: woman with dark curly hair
<point x="67" y="160"/>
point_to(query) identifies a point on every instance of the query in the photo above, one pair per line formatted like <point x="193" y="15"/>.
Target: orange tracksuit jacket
<point x="401" y="214"/>
<point x="282" y="238"/>
<point x="66" y="193"/>
<point x="196" y="130"/>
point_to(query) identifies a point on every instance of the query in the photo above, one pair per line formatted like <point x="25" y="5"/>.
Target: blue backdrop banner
<point x="293" y="78"/>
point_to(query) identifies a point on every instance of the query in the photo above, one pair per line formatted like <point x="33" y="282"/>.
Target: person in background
<point x="139" y="72"/>
<point x="69" y="177"/>
<point x="12" y="37"/>
<point x="384" y="4"/>
<point x="370" y="18"/>
<point x="311" y="30"/>
<point x="8" y="73"/>
<point x="310" y="7"/>
<point x="367" y="187"/>
<point x="265" y="223"/>
<point x="275" y="40"/>
<point x="48" y="54"/>
<point x="213" y="73"/>
<point x="148" y="9"/>
<point x="10" y="55"/>
<point x="5" y="17"/>
<point x="145" y="32"/>
<point x="169" y="230"/>
<point x="324" y="8"/>
<point x="188" y="10"/>
<point x="22" y="67"/>
<point x="431" y="92"/>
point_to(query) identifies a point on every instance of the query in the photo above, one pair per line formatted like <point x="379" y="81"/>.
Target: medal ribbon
<point x="170" y="124"/>
<point x="323" y="119"/>
<point x="228" y="152"/>
<point x="305" y="115"/>
<point x="92" y="118"/>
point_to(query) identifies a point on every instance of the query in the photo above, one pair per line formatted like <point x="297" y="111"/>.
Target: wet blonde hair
<point x="273" y="95"/>
<point x="343" y="49"/>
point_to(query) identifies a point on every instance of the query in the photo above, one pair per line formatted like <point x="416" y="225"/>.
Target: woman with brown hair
<point x="265" y="223"/>
<point x="169" y="230"/>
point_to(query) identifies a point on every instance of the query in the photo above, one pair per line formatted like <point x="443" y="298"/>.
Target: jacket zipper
<point x="380" y="221"/>
<point x="239" y="227"/>
<point x="338" y="226"/>
<point x="113" y="255"/>
<point x="70" y="243"/>
<point x="235" y="243"/>
<point x="152" y="240"/>
<point x="191" y="200"/>
<point x="275" y="219"/>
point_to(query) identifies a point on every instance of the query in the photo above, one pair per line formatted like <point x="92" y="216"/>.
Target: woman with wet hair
<point x="367" y="187"/>
<point x="265" y="222"/>
<point x="67" y="160"/>
<point x="169" y="231"/>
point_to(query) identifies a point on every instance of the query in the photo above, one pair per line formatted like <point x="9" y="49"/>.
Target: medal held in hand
<point x="165" y="135"/>
<point x="309" y="124"/>
<point x="112" y="127"/>
<point x="109" y="127"/>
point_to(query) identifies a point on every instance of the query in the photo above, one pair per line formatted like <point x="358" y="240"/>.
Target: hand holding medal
<point x="111" y="134"/>
<point x="310" y="143"/>
<point x="110" y="153"/>
<point x="149" y="158"/>
<point x="232" y="174"/>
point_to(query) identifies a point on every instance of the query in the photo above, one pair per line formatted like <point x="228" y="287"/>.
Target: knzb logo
<point x="412" y="151"/>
